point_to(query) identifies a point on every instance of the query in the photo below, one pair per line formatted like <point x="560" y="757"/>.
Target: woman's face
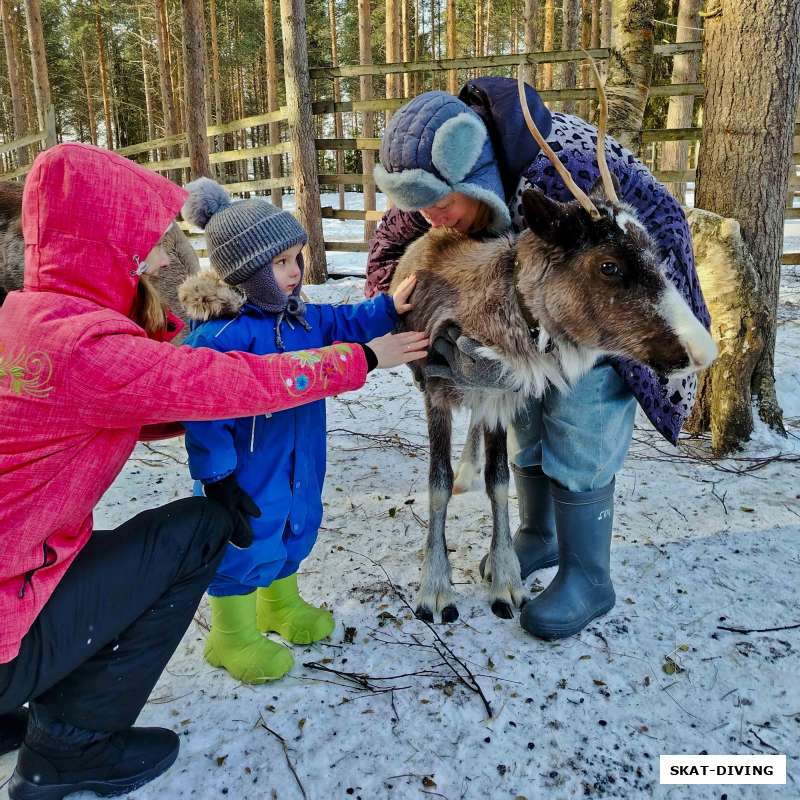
<point x="454" y="210"/>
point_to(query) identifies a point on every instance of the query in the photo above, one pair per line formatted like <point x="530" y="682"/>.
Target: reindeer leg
<point x="435" y="586"/>
<point x="469" y="462"/>
<point x="503" y="564"/>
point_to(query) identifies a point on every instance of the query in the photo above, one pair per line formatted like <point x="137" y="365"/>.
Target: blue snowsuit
<point x="279" y="459"/>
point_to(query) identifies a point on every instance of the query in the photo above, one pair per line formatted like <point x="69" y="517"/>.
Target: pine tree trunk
<point x="24" y="156"/>
<point x="194" y="58"/>
<point x="569" y="41"/>
<point x="752" y="75"/>
<point x="392" y="56"/>
<point x="367" y="156"/>
<point x="406" y="8"/>
<point x="478" y="28"/>
<point x="584" y="107"/>
<point x="216" y="80"/>
<point x="417" y="77"/>
<point x="548" y="42"/>
<point x="337" y="96"/>
<point x="103" y="65"/>
<point x="605" y="23"/>
<point x="89" y="99"/>
<point x="452" y="74"/>
<point x="630" y="70"/>
<point x="679" y="115"/>
<point x="276" y="195"/>
<point x="529" y="22"/>
<point x="41" y="80"/>
<point x="165" y="79"/>
<point x="301" y="131"/>
<point x="148" y="99"/>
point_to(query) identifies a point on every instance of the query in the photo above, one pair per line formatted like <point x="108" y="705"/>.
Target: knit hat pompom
<point x="206" y="198"/>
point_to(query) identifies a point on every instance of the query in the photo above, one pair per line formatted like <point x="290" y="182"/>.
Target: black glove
<point x="464" y="365"/>
<point x="228" y="493"/>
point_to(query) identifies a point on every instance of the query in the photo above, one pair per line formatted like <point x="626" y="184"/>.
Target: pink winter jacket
<point x="79" y="380"/>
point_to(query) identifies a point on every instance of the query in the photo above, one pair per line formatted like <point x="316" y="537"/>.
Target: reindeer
<point x="581" y="282"/>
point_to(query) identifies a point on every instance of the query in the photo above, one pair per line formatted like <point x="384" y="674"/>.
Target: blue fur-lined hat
<point x="435" y="145"/>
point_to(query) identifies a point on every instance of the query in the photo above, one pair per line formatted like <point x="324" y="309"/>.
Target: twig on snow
<point x="758" y="630"/>
<point x="285" y="747"/>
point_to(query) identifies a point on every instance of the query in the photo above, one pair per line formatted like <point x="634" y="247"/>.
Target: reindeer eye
<point x="609" y="268"/>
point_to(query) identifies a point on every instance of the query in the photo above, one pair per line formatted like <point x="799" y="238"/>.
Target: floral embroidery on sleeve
<point x="27" y="373"/>
<point x="310" y="367"/>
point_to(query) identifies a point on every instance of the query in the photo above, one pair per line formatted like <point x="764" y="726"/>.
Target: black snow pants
<point x="97" y="648"/>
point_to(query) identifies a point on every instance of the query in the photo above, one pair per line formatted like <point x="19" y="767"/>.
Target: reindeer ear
<point x="599" y="193"/>
<point x="559" y="224"/>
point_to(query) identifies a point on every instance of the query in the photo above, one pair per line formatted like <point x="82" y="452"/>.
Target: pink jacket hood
<point x="112" y="228"/>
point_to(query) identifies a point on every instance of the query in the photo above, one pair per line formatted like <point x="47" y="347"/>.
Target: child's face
<point x="286" y="269"/>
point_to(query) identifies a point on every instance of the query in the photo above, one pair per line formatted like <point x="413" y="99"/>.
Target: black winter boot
<point x="12" y="729"/>
<point x="535" y="540"/>
<point x="57" y="759"/>
<point x="582" y="588"/>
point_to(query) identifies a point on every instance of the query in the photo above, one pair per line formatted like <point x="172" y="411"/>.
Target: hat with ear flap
<point x="436" y="145"/>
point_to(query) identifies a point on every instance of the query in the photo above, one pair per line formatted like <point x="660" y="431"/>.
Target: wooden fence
<point x="154" y="154"/>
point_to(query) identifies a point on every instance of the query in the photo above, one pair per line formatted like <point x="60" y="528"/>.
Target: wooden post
<point x="41" y="81"/>
<point x="367" y="156"/>
<point x="194" y="45"/>
<point x="301" y="133"/>
<point x="276" y="195"/>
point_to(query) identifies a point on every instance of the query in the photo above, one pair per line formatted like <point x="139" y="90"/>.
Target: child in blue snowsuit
<point x="271" y="468"/>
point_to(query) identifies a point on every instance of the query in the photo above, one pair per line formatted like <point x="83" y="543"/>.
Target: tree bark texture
<point x="194" y="46"/>
<point x="216" y="81"/>
<point x="15" y="79"/>
<point x="675" y="155"/>
<point x="393" y="80"/>
<point x="752" y="75"/>
<point x="276" y="195"/>
<point x="87" y="83"/>
<point x="146" y="78"/>
<point x="630" y="69"/>
<point x="302" y="134"/>
<point x="104" y="83"/>
<point x="337" y="96"/>
<point x="569" y="41"/>
<point x="367" y="156"/>
<point x="548" y="42"/>
<point x="452" y="75"/>
<point x="529" y="23"/>
<point x="731" y="286"/>
<point x="41" y="80"/>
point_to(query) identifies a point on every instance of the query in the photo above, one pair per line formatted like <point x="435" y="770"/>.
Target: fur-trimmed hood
<point x="206" y="296"/>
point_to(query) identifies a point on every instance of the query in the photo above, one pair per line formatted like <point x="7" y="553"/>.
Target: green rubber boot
<point x="282" y="610"/>
<point x="236" y="645"/>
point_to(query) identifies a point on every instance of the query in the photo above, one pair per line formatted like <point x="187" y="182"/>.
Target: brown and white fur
<point x="592" y="282"/>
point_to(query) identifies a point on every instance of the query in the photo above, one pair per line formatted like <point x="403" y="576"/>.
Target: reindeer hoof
<point x="502" y="609"/>
<point x="449" y="614"/>
<point x="425" y="614"/>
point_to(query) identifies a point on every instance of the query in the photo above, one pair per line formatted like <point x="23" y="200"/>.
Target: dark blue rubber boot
<point x="582" y="588"/>
<point x="535" y="540"/>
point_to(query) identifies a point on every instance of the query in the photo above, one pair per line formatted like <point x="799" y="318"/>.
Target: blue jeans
<point x="581" y="438"/>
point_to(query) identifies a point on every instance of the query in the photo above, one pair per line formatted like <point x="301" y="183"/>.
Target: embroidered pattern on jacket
<point x="309" y="367"/>
<point x="27" y="373"/>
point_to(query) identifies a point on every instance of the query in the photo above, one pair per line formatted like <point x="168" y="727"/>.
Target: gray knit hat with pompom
<point x="242" y="237"/>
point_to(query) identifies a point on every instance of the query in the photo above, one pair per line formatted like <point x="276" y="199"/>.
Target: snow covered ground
<point x="699" y="545"/>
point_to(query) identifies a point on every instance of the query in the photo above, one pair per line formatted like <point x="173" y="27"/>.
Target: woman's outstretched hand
<point x="402" y="293"/>
<point x="399" y="348"/>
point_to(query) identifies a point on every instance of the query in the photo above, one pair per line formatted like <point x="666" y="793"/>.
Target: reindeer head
<point x="602" y="285"/>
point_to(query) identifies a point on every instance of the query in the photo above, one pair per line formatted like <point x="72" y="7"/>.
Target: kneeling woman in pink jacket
<point x="89" y="619"/>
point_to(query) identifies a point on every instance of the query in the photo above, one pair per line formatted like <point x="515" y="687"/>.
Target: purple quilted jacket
<point x="666" y="403"/>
